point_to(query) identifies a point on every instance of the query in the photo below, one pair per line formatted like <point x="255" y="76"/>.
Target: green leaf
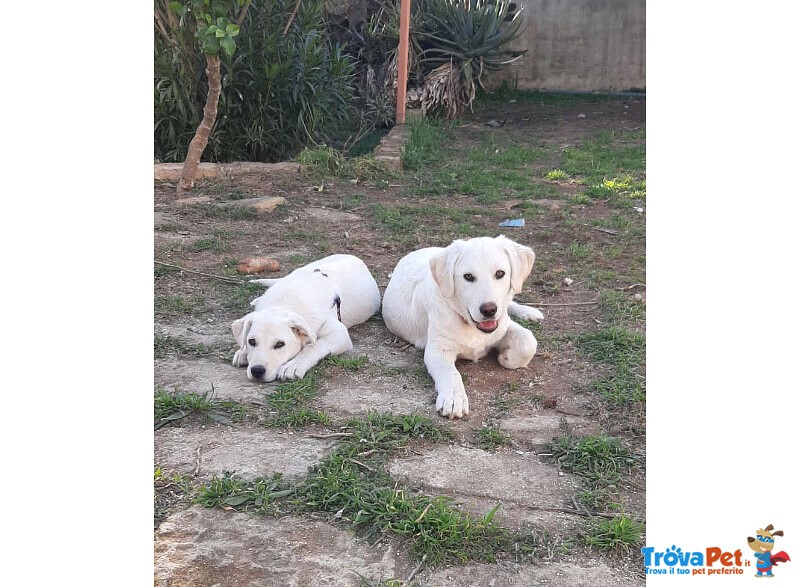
<point x="232" y="30"/>
<point x="219" y="33"/>
<point x="228" y="45"/>
<point x="236" y="500"/>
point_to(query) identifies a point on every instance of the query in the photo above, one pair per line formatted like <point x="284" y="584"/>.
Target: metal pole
<point x="402" y="61"/>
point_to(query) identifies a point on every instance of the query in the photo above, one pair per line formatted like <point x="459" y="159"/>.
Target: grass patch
<point x="258" y="495"/>
<point x="490" y="438"/>
<point x="353" y="484"/>
<point x="612" y="165"/>
<point x="556" y="175"/>
<point x="173" y="305"/>
<point x="613" y="346"/>
<point x="351" y="364"/>
<point x="600" y="460"/>
<point x="620" y="309"/>
<point x="407" y="224"/>
<point x="170" y="407"/>
<point x="232" y="213"/>
<point x="602" y="463"/>
<point x="214" y="244"/>
<point x="167" y="345"/>
<point x="607" y="155"/>
<point x="623" y="352"/>
<point x="162" y="270"/>
<point x="323" y="161"/>
<point x="424" y="144"/>
<point x="618" y="535"/>
<point x="238" y="296"/>
<point x="287" y="406"/>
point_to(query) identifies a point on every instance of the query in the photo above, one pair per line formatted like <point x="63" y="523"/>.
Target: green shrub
<point x="279" y="92"/>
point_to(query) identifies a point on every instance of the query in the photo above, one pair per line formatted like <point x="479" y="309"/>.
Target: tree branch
<point x="291" y="18"/>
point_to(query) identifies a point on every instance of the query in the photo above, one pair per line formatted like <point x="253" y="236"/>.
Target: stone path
<point x="204" y="546"/>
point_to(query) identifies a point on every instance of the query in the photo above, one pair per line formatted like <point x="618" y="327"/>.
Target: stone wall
<point x="579" y="45"/>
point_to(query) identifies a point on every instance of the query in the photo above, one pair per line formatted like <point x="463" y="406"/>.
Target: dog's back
<point x="318" y="284"/>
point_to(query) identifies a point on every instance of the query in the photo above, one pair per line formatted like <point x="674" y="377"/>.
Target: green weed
<point x="232" y="213"/>
<point x="173" y="305"/>
<point x="166" y="345"/>
<point x="424" y="144"/>
<point x="600" y="460"/>
<point x="620" y="534"/>
<point x="353" y="484"/>
<point x="173" y="406"/>
<point x="490" y="438"/>
<point x="556" y="175"/>
<point x="620" y="309"/>
<point x="347" y="363"/>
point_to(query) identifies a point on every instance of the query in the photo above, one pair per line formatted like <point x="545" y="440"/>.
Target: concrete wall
<point x="581" y="45"/>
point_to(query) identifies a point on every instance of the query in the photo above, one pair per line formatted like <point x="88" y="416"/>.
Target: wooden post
<point x="402" y="61"/>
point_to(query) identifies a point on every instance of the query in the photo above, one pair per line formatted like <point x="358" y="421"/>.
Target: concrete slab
<point x="248" y="452"/>
<point x="201" y="375"/>
<point x="213" y="548"/>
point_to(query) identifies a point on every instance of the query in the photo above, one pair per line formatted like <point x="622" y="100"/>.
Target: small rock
<point x="269" y="204"/>
<point x="567" y="281"/>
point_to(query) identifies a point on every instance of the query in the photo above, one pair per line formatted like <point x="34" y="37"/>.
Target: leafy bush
<point x="280" y="91"/>
<point x="452" y="45"/>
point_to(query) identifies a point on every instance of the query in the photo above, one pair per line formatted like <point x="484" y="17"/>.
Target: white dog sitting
<point x="303" y="317"/>
<point x="455" y="304"/>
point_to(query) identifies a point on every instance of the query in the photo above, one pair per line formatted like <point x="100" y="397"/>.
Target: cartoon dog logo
<point x="763" y="544"/>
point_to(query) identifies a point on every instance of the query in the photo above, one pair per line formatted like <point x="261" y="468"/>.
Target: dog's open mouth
<point x="487" y="325"/>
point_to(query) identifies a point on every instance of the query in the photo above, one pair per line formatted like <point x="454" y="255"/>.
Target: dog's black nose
<point x="258" y="371"/>
<point x="489" y="309"/>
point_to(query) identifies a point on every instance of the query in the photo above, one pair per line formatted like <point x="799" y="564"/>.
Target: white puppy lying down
<point x="303" y="317"/>
<point x="455" y="304"/>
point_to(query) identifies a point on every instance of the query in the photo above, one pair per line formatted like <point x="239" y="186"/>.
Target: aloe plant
<point x="464" y="40"/>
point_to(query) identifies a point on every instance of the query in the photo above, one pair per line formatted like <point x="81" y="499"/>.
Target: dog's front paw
<point x="528" y="313"/>
<point x="240" y="359"/>
<point x="453" y="404"/>
<point x="294" y="369"/>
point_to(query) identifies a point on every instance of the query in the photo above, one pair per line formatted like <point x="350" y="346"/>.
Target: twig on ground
<point x="197" y="467"/>
<point x="416" y="570"/>
<point x="367" y="467"/>
<point x="632" y="286"/>
<point x="222" y="277"/>
<point x="534" y="304"/>
<point x="606" y="230"/>
<point x="333" y="435"/>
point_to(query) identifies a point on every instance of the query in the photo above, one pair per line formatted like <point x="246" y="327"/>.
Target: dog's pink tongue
<point x="488" y="324"/>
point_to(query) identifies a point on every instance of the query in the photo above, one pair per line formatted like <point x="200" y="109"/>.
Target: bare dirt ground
<point x="597" y="243"/>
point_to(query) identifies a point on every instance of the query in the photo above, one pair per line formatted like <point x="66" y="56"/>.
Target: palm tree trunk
<point x="200" y="140"/>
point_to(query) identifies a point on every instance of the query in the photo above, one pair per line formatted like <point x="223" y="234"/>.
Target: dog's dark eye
<point x="251" y="341"/>
<point x="469" y="277"/>
<point x="279" y="344"/>
<point x="500" y="275"/>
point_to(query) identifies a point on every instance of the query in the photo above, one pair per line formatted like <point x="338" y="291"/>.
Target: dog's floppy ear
<point x="241" y="329"/>
<point x="443" y="268"/>
<point x="521" y="259"/>
<point x="302" y="329"/>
